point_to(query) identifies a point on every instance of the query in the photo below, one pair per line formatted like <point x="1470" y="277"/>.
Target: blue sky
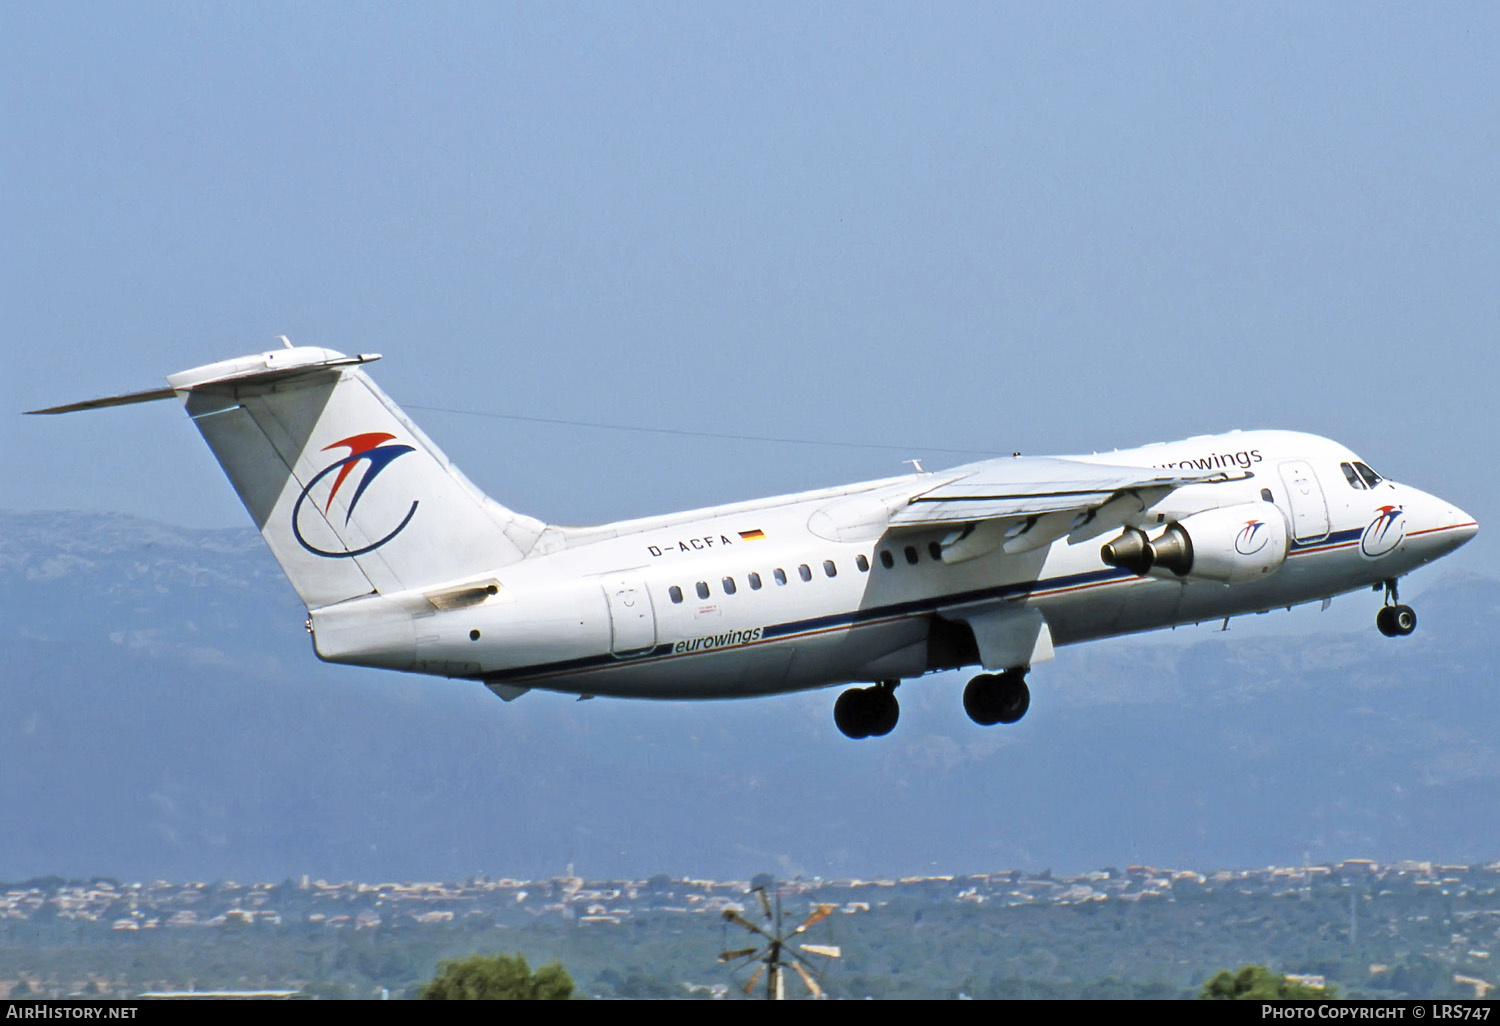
<point x="1039" y="227"/>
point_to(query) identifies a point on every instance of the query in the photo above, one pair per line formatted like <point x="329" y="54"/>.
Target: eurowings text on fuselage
<point x="404" y="564"/>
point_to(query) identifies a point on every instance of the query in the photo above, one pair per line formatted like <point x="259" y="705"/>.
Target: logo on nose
<point x="1385" y="532"/>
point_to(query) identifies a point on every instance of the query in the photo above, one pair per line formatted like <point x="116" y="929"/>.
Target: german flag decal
<point x="755" y="535"/>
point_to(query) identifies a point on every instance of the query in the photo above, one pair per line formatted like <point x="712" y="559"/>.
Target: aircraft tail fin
<point x="349" y="494"/>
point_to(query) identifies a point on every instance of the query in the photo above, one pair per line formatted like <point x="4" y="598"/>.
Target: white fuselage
<point x="816" y="589"/>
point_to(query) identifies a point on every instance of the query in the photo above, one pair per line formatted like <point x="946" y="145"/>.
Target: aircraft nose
<point x="1447" y="525"/>
<point x="1436" y="526"/>
<point x="1464" y="526"/>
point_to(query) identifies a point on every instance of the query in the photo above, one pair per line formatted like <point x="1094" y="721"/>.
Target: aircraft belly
<point x="1303" y="579"/>
<point x="1075" y="618"/>
<point x="892" y="650"/>
<point x="763" y="667"/>
<point x="1149" y="603"/>
<point x="1119" y="607"/>
<point x="736" y="673"/>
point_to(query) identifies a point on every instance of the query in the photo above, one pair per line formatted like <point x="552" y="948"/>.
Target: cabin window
<point x="676" y="594"/>
<point x="780" y="575"/>
<point x="829" y="568"/>
<point x="754" y="580"/>
<point x="862" y="563"/>
<point x="703" y="589"/>
<point x="1352" y="477"/>
<point x="1371" y="478"/>
<point x="805" y="572"/>
<point x="886" y="559"/>
<point x="729" y="588"/>
<point x="911" y="554"/>
<point x="935" y="551"/>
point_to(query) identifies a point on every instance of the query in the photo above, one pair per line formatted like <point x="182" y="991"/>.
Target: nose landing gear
<point x="868" y="712"/>
<point x="993" y="698"/>
<point x="1395" y="620"/>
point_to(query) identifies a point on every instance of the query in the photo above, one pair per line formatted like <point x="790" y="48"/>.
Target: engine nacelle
<point x="1231" y="545"/>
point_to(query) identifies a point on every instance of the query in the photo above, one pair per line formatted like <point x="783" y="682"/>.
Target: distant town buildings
<point x="163" y="905"/>
<point x="319" y="905"/>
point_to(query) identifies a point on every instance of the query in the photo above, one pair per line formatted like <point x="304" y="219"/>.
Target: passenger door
<point x="1309" y="507"/>
<point x="632" y="622"/>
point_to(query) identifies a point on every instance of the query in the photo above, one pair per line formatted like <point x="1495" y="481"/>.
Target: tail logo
<point x="369" y="449"/>
<point x="1385" y="532"/>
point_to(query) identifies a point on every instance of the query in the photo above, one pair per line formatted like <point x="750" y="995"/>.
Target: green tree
<point x="498" y="977"/>
<point x="1258" y="983"/>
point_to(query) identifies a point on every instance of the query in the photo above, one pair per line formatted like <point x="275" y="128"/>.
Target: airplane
<point x="403" y="564"/>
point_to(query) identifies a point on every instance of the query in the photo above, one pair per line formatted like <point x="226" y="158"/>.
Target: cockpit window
<point x="1353" y="476"/>
<point x="1371" y="478"/>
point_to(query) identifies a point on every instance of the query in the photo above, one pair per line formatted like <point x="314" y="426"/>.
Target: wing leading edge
<point x="1022" y="504"/>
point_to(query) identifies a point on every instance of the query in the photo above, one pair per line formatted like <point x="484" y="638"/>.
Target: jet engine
<point x="1230" y="545"/>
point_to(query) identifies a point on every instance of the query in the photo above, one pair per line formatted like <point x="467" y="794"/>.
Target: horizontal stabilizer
<point x="229" y="374"/>
<point x="151" y="395"/>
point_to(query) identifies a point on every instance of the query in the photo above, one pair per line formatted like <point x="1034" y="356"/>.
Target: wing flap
<point x="953" y="509"/>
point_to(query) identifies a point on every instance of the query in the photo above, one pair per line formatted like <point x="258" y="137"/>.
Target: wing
<point x="1021" y="504"/>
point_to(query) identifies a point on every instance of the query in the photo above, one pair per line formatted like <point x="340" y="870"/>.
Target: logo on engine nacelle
<point x="1385" y="532"/>
<point x="1252" y="538"/>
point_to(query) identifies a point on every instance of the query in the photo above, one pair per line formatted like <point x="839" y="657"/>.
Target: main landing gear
<point x="993" y="698"/>
<point x="989" y="699"/>
<point x="868" y="712"/>
<point x="1395" y="620"/>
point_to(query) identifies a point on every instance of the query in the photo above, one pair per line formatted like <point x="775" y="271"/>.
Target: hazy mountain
<point x="162" y="715"/>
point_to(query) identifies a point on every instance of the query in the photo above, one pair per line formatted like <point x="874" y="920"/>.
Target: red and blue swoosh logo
<point x="1385" y="532"/>
<point x="1252" y="538"/>
<point x="373" y="451"/>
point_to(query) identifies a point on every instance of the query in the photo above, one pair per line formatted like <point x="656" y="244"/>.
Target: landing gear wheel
<point x="848" y="714"/>
<point x="1017" y="698"/>
<point x="979" y="700"/>
<point x="867" y="712"/>
<point x="887" y="710"/>
<point x="1406" y="620"/>
<point x="1396" y="621"/>
<point x="997" y="698"/>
